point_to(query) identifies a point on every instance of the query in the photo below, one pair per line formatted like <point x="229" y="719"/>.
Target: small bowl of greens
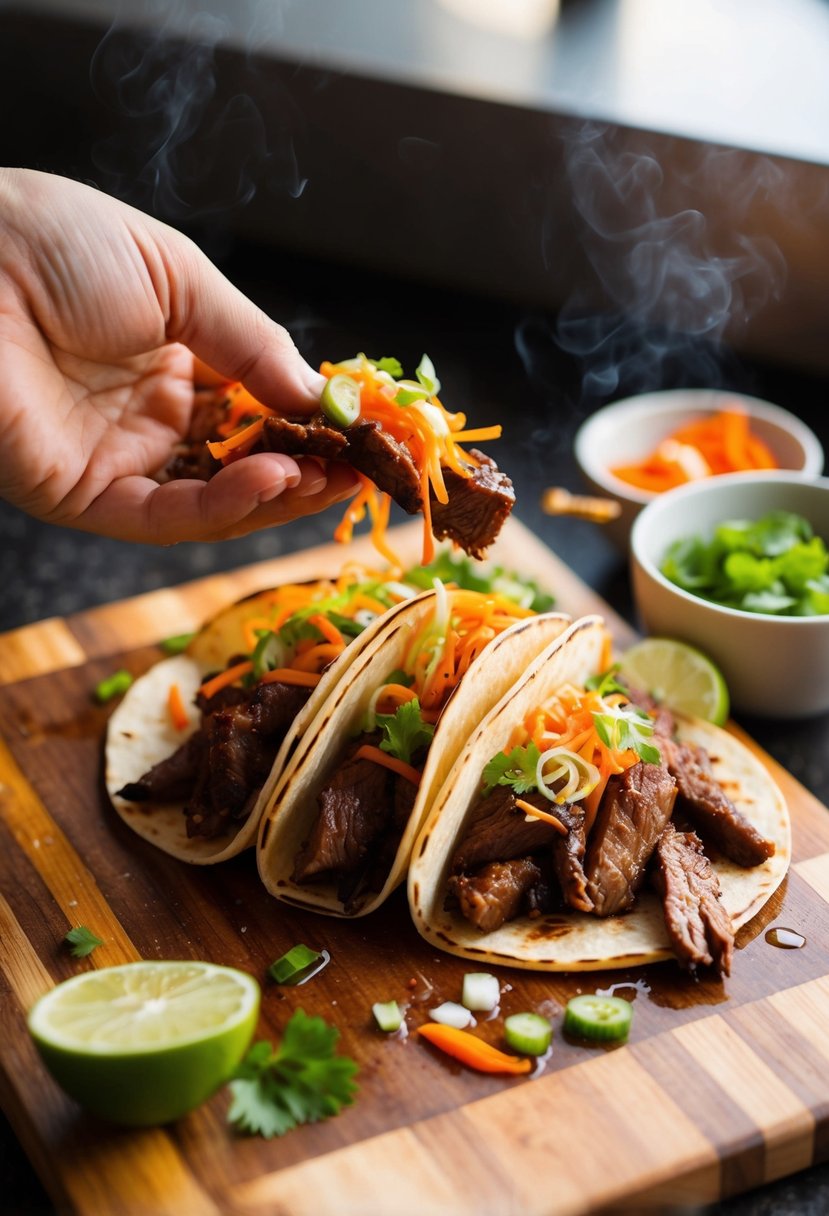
<point x="738" y="566"/>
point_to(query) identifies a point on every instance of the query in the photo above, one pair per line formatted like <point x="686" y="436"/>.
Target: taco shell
<point x="568" y="940"/>
<point x="293" y="807"/>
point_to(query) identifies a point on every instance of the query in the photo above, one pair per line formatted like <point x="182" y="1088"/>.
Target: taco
<point x="394" y="432"/>
<point x="583" y="828"/>
<point x="194" y="780"/>
<point x="338" y="831"/>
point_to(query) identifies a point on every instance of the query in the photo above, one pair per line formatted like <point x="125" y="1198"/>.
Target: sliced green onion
<point x="298" y="959"/>
<point x="113" y="686"/>
<point x="340" y="400"/>
<point x="270" y="652"/>
<point x="481" y="991"/>
<point x="578" y="775"/>
<point x="387" y="1015"/>
<point x="177" y="643"/>
<point x="452" y="1014"/>
<point x="605" y="1019"/>
<point x="528" y="1033"/>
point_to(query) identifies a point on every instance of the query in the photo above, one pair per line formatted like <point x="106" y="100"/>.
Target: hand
<point x="102" y="310"/>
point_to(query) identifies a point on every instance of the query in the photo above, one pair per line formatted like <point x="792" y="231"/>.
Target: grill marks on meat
<point x="362" y="814"/>
<point x="712" y="812"/>
<point x="636" y="806"/>
<point x="219" y="771"/>
<point x="698" y="925"/>
<point x="477" y="507"/>
<point x="495" y="894"/>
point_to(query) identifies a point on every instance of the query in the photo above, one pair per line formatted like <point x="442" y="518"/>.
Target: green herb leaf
<point x="298" y="629"/>
<point x="303" y="1081"/>
<point x="82" y="941"/>
<point x="405" y="732"/>
<point x="345" y="624"/>
<point x="408" y="396"/>
<point x="605" y="683"/>
<point x="516" y="768"/>
<point x="177" y="643"/>
<point x="626" y="727"/>
<point x="389" y="364"/>
<point x="468" y="576"/>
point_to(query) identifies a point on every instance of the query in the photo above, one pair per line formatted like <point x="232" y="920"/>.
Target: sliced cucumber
<point x="340" y="400"/>
<point x="605" y="1019"/>
<point x="528" y="1033"/>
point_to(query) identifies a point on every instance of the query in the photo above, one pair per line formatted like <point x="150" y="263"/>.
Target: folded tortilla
<point x="568" y="940"/>
<point x="293" y="807"/>
<point x="140" y="732"/>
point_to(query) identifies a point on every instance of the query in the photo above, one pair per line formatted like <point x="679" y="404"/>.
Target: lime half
<point x="678" y="675"/>
<point x="146" y="1042"/>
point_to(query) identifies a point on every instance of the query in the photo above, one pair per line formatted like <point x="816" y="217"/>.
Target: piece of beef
<point x="231" y="694"/>
<point x="238" y="762"/>
<point x="314" y="436"/>
<point x="698" y="925"/>
<point x="706" y="803"/>
<point x="372" y="874"/>
<point x="495" y="894"/>
<point x="632" y="815"/>
<point x="477" y="506"/>
<point x="172" y="778"/>
<point x="386" y="462"/>
<point x="499" y="830"/>
<point x="354" y="807"/>
<point x="191" y="458"/>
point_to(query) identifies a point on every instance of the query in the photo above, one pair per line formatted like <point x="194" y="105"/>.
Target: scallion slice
<point x="387" y="1015"/>
<point x="299" y="958"/>
<point x="113" y="686"/>
<point x="605" y="1019"/>
<point x="481" y="991"/>
<point x="452" y="1014"/>
<point x="528" y="1033"/>
<point x="177" y="643"/>
<point x="340" y="400"/>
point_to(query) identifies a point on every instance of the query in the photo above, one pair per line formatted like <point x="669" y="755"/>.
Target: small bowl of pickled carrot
<point x="636" y="449"/>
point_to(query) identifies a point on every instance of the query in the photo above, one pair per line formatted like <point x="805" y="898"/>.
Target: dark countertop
<point x="498" y="362"/>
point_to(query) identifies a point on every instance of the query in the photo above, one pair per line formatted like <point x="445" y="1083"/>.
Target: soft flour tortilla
<point x="577" y="941"/>
<point x="140" y="732"/>
<point x="293" y="809"/>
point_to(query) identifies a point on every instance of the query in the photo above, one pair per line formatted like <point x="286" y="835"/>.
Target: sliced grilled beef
<point x="313" y="436"/>
<point x="386" y="462"/>
<point x="710" y="809"/>
<point x="372" y="875"/>
<point x="698" y="925"/>
<point x="500" y="831"/>
<point x="664" y="722"/>
<point x="171" y="779"/>
<point x="495" y="894"/>
<point x="634" y="810"/>
<point x="477" y="506"/>
<point x="191" y="458"/>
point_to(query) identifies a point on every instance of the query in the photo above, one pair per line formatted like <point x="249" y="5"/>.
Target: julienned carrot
<point x="178" y="710"/>
<point x="230" y="676"/>
<point x="328" y="630"/>
<point x="288" y="675"/>
<point x="317" y="657"/>
<point x="224" y="447"/>
<point x="369" y="752"/>
<point x="472" y="1051"/>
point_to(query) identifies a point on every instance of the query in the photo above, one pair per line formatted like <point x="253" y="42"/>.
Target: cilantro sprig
<point x="82" y="941"/>
<point x="404" y="731"/>
<point x="467" y="575"/>
<point x="516" y="768"/>
<point x="624" y="727"/>
<point x="302" y="1081"/>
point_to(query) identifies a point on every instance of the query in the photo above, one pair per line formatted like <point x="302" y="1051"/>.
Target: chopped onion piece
<point x="582" y="776"/>
<point x="451" y="1014"/>
<point x="481" y="991"/>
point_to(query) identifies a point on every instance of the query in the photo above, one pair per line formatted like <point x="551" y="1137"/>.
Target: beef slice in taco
<point x="338" y="831"/>
<point x="583" y="828"/>
<point x="254" y="677"/>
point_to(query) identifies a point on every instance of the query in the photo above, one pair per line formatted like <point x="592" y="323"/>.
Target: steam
<point x="673" y="281"/>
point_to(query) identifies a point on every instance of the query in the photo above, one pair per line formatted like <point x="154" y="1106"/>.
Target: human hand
<point x="102" y="310"/>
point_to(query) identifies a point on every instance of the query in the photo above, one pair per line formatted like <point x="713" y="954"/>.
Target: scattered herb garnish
<point x="292" y="963"/>
<point x="605" y="683"/>
<point x="82" y="941"/>
<point x="772" y="565"/>
<point x="389" y="364"/>
<point x="302" y="1081"/>
<point x="466" y="575"/>
<point x="113" y="686"/>
<point x="404" y="731"/>
<point x="516" y="768"/>
<point x="177" y="643"/>
<point x="624" y="727"/>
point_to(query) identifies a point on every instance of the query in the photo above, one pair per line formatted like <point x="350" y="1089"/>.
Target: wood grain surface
<point x="723" y="1086"/>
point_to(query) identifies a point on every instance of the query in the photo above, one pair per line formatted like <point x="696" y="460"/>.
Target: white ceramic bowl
<point x="630" y="430"/>
<point x="775" y="666"/>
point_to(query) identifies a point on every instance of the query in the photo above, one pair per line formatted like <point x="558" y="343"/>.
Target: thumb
<point x="227" y="331"/>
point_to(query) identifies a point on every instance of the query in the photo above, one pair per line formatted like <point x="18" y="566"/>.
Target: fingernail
<point x="313" y="486"/>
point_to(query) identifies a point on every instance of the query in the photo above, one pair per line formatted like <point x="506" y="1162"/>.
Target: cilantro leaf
<point x="82" y="941"/>
<point x="404" y="731"/>
<point x="302" y="1081"/>
<point x="625" y="727"/>
<point x="516" y="768"/>
<point x="605" y="683"/>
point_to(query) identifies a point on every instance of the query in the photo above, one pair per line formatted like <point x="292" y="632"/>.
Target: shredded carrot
<point x="472" y="1051"/>
<point x="369" y="752"/>
<point x="224" y="678"/>
<point x="287" y="675"/>
<point x="242" y="438"/>
<point x="529" y="809"/>
<point x="480" y="433"/>
<point x="718" y="443"/>
<point x="178" y="710"/>
<point x="329" y="631"/>
<point x="317" y="657"/>
<point x="396" y="694"/>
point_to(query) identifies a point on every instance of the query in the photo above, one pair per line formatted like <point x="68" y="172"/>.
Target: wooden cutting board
<point x="722" y="1086"/>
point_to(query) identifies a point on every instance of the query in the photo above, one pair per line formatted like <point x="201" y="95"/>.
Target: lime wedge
<point x="678" y="675"/>
<point x="146" y="1042"/>
<point x="340" y="400"/>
